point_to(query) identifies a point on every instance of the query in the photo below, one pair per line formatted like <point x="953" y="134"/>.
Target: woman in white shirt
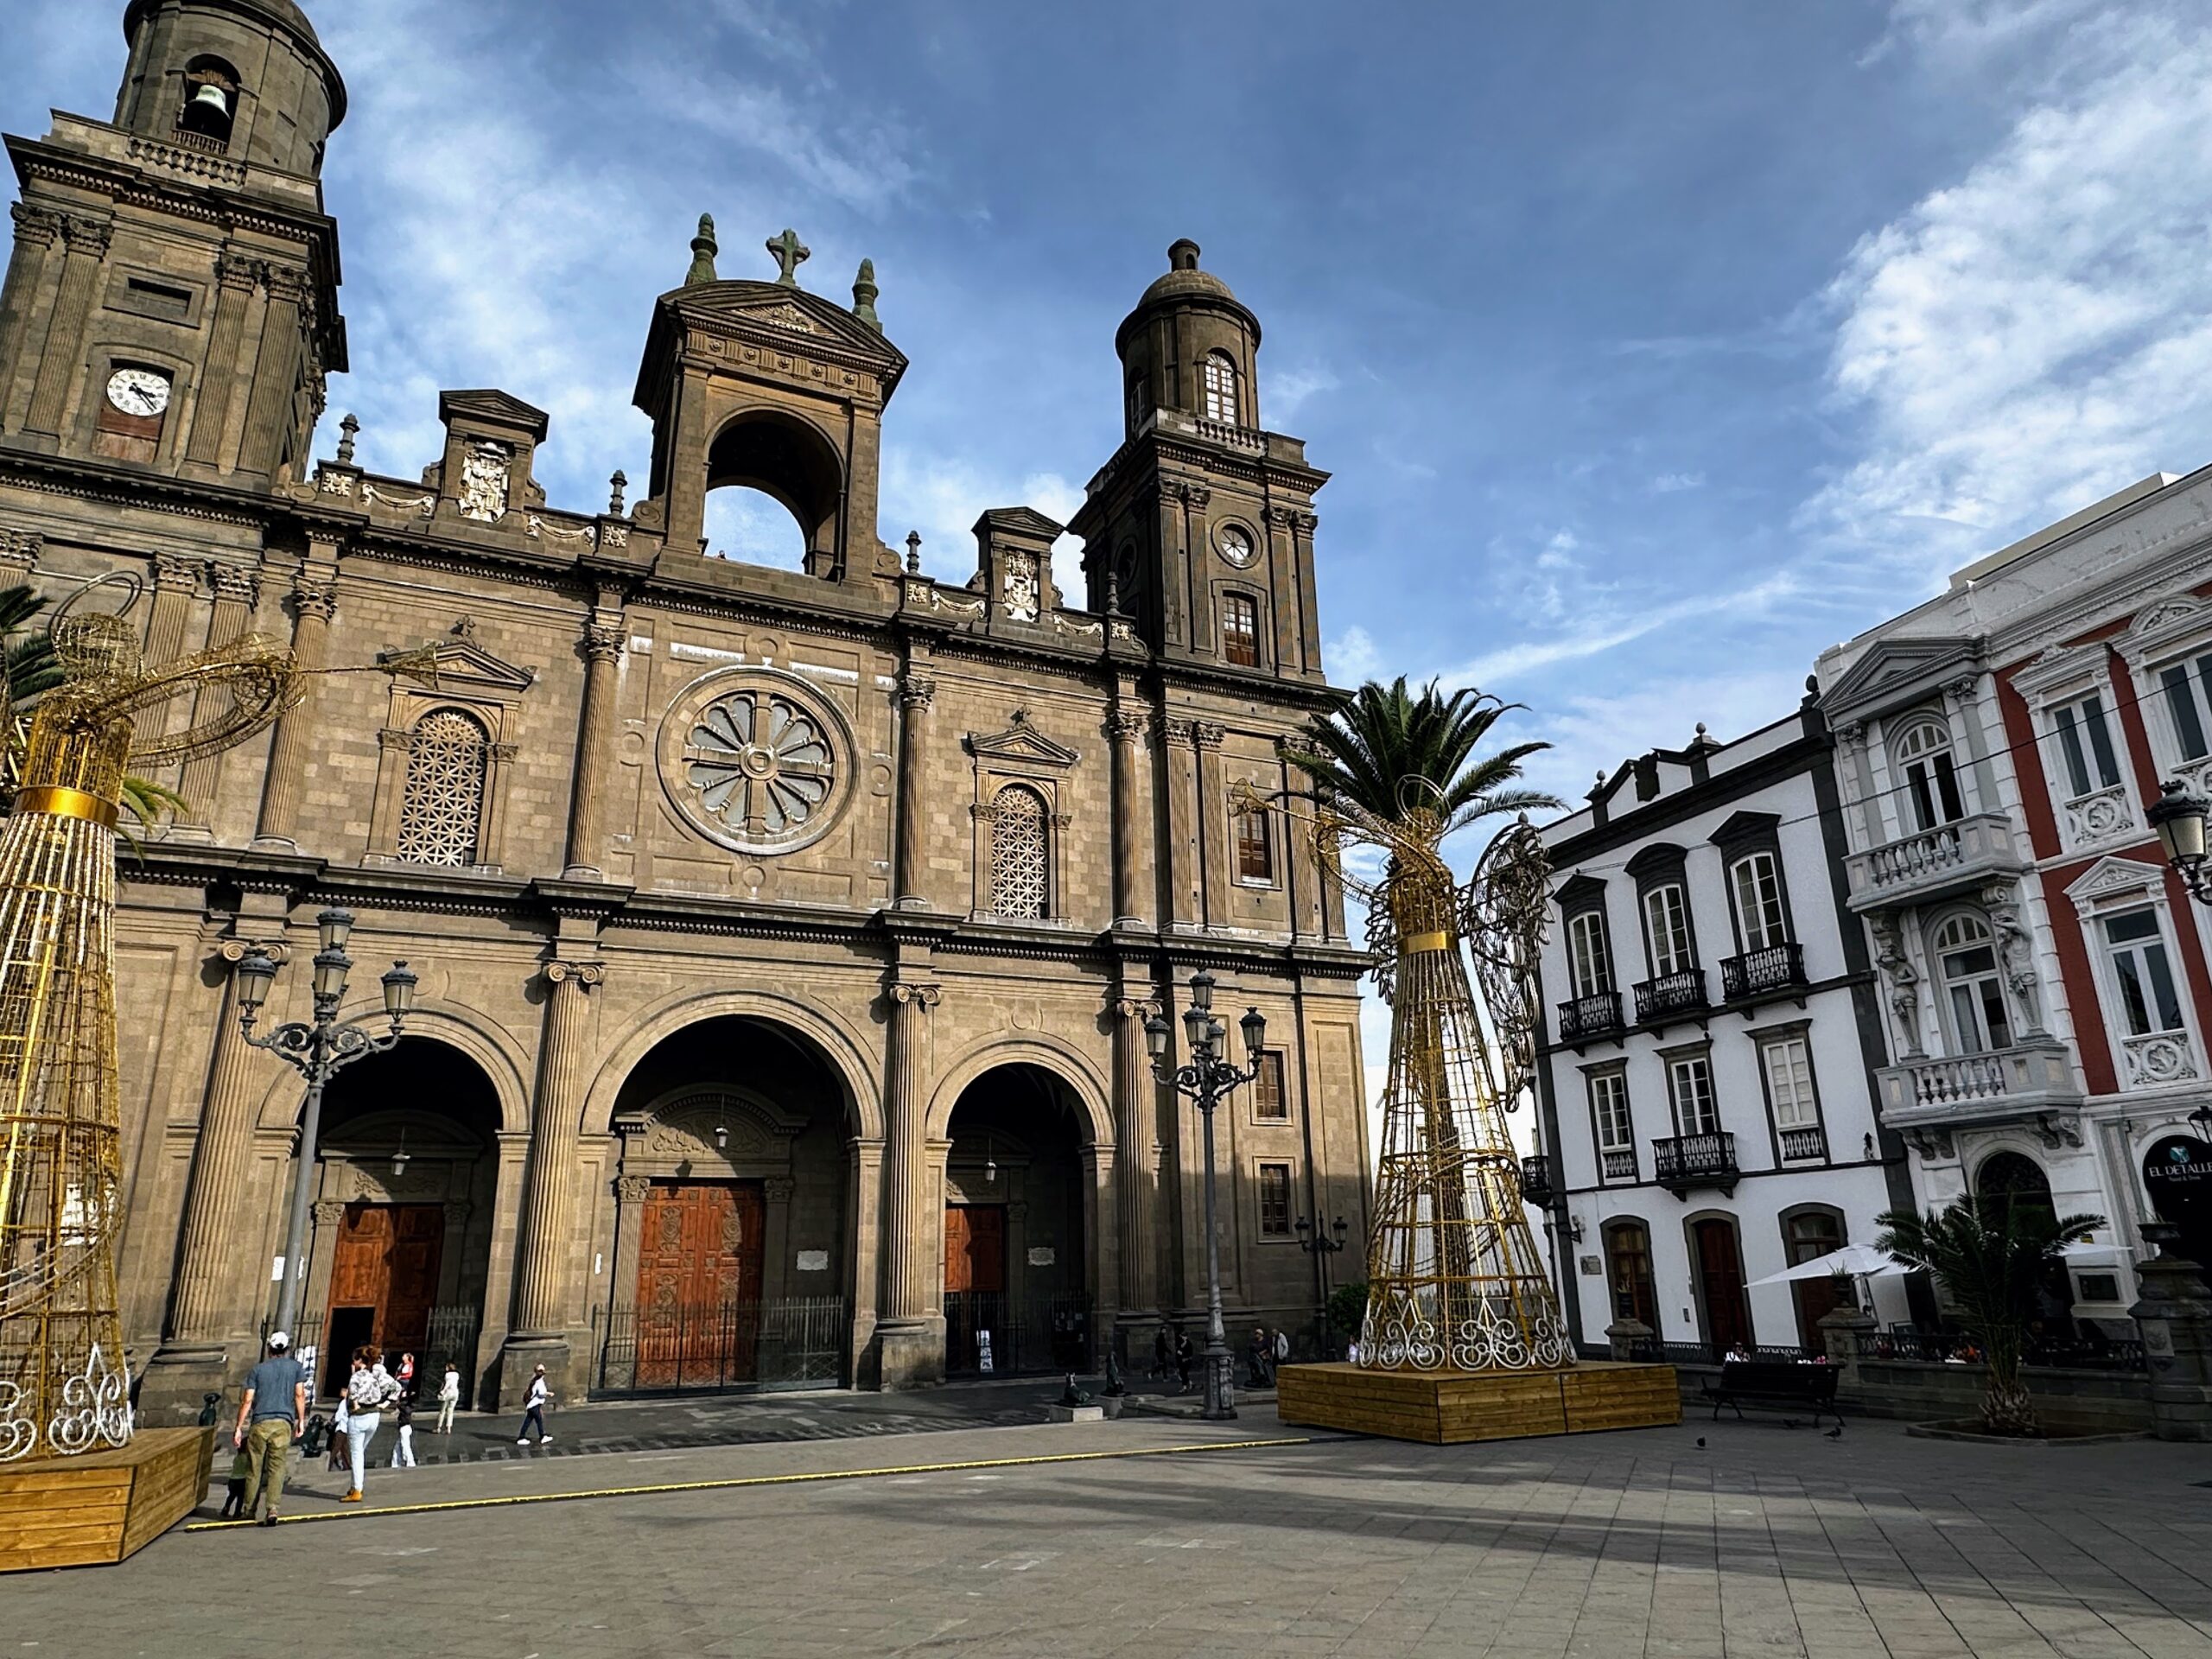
<point x="368" y="1391"/>
<point x="534" y="1411"/>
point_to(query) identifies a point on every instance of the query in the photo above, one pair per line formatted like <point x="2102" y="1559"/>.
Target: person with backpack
<point x="368" y="1391"/>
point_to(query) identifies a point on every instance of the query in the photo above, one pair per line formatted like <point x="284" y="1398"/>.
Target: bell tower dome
<point x="1189" y="346"/>
<point x="243" y="78"/>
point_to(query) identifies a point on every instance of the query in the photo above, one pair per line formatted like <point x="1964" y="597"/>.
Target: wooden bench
<point x="1780" y="1383"/>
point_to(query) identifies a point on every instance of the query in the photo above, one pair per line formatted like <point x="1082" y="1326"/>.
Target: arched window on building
<point x="1021" y="855"/>
<point x="442" y="810"/>
<point x="1974" y="989"/>
<point x="1920" y="753"/>
<point x="210" y="104"/>
<point x="1221" y="389"/>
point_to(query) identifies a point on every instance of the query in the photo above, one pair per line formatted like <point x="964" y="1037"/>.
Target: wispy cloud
<point x="1674" y="483"/>
<point x="1497" y="669"/>
<point x="1289" y="390"/>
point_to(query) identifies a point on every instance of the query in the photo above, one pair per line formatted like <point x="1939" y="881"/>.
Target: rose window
<point x="763" y="766"/>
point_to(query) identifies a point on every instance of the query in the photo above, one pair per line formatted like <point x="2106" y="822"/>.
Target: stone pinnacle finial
<point x="704" y="249"/>
<point x="864" y="293"/>
<point x="1183" y="255"/>
<point x="1113" y="593"/>
<point x="348" y="429"/>
<point x="615" y="485"/>
<point x="790" y="254"/>
<point x="913" y="552"/>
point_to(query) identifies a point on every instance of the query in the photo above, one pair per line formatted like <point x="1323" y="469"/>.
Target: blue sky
<point x="1654" y="348"/>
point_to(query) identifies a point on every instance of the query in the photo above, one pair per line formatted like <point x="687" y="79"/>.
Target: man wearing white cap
<point x="273" y="1412"/>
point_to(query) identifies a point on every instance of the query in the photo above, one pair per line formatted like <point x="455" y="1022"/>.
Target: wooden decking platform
<point x="103" y="1506"/>
<point x="1447" y="1407"/>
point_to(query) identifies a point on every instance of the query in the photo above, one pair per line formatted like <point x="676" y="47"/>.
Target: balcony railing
<point x="1777" y="968"/>
<point x="1536" y="1181"/>
<point x="2020" y="1084"/>
<point x="1929" y="863"/>
<point x="1695" y="1160"/>
<point x="1805" y="1146"/>
<point x="1618" y="1164"/>
<point x="1590" y="1016"/>
<point x="1682" y="993"/>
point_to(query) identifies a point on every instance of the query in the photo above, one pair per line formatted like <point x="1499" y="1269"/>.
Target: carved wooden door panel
<point x="418" y="1252"/>
<point x="699" y="1264"/>
<point x="384" y="1275"/>
<point x="974" y="1249"/>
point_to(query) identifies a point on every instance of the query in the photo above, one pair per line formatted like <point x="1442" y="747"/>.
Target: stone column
<point x="1212" y="824"/>
<point x="276" y="371"/>
<point x="916" y="695"/>
<point x="1304" y="524"/>
<point x="542" y="1267"/>
<point x="235" y="598"/>
<point x="1136" y="1106"/>
<point x="87" y="240"/>
<point x="603" y="642"/>
<point x="1203" y="640"/>
<point x="36" y="231"/>
<point x="911" y="1342"/>
<point x="313" y="603"/>
<point x="236" y="278"/>
<point x="1183" y="877"/>
<point x="1132" y="827"/>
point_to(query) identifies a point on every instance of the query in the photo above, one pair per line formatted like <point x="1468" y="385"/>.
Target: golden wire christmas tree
<point x="1454" y="1278"/>
<point x="64" y="1388"/>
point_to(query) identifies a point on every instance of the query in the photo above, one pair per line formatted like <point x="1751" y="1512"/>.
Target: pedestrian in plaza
<point x="448" y="1397"/>
<point x="534" y="1410"/>
<point x="1282" y="1348"/>
<point x="273" y="1410"/>
<point x="406" y="1375"/>
<point x="1163" y="1355"/>
<point x="368" y="1391"/>
<point x="1184" y="1357"/>
<point x="338" y="1425"/>
<point x="403" y="1456"/>
<point x="1255" y="1357"/>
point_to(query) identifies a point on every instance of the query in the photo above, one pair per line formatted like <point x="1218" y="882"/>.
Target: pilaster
<point x="917" y="694"/>
<point x="86" y="241"/>
<point x="911" y="1340"/>
<point x="314" y="604"/>
<point x="1181" y="766"/>
<point x="1133" y="829"/>
<point x="603" y="642"/>
<point x="36" y="232"/>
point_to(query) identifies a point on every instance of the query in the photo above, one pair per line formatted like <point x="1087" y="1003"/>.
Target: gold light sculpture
<point x="64" y="1383"/>
<point x="1454" y="1279"/>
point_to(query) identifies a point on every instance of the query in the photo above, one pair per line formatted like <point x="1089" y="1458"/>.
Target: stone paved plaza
<point x="1765" y="1541"/>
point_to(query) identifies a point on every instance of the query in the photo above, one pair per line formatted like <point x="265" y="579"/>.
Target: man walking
<point x="273" y="1411"/>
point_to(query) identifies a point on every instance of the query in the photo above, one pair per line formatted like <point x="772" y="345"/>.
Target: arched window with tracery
<point x="441" y="809"/>
<point x="1221" y="389"/>
<point x="1920" y="753"/>
<point x="1021" y="855"/>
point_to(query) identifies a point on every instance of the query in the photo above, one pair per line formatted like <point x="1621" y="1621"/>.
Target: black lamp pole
<point x="317" y="1049"/>
<point x="1317" y="1244"/>
<point x="1206" y="1080"/>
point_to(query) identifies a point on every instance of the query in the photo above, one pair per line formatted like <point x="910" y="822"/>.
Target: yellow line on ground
<point x="759" y="1480"/>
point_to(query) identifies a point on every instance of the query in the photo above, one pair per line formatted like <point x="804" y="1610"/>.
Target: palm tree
<point x="1393" y="754"/>
<point x="27" y="657"/>
<point x="1990" y="1265"/>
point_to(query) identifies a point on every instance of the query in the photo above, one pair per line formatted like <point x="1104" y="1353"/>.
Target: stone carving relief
<point x="2161" y="1058"/>
<point x="1903" y="984"/>
<point x="485" y="469"/>
<point x="2015" y="953"/>
<point x="1020" y="590"/>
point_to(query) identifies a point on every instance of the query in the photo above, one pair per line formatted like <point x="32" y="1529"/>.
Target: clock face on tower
<point x="1236" y="546"/>
<point x="139" y="391"/>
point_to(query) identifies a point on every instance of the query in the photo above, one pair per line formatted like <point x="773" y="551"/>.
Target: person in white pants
<point x="368" y="1391"/>
<point x="405" y="1457"/>
<point x="448" y="1398"/>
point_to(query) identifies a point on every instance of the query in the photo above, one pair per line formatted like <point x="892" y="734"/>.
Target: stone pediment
<point x="1022" y="522"/>
<point x="1898" y="670"/>
<point x="464" y="665"/>
<point x="493" y="408"/>
<point x="771" y="313"/>
<point x="1021" y="742"/>
<point x="2113" y="876"/>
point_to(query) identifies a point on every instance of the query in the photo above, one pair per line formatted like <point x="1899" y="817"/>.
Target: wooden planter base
<point x="104" y="1507"/>
<point x="1448" y="1407"/>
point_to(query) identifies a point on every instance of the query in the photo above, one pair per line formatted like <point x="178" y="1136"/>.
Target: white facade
<point x="1711" y="1031"/>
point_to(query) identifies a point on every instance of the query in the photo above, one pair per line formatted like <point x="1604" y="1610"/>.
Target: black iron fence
<point x="795" y="1343"/>
<point x="447" y="1333"/>
<point x="1707" y="1353"/>
<point x="1695" y="1158"/>
<point x="986" y="1332"/>
<point x="1942" y="1348"/>
<point x="1776" y="968"/>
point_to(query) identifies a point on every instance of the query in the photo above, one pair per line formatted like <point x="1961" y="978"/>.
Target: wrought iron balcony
<point x="1776" y="971"/>
<point x="1536" y="1182"/>
<point x="1618" y="1164"/>
<point x="2030" y="1083"/>
<point x="1590" y="1016"/>
<point x="1932" y="863"/>
<point x="1688" y="1160"/>
<point x="1672" y="994"/>
<point x="1805" y="1146"/>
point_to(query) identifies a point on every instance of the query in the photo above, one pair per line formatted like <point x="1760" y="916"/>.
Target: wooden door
<point x="1806" y="1236"/>
<point x="1720" y="1284"/>
<point x="384" y="1275"/>
<point x="699" y="1263"/>
<point x="974" y="1249"/>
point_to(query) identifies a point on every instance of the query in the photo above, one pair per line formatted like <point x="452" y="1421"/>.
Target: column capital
<point x="233" y="951"/>
<point x="603" y="641"/>
<point x="329" y="1212"/>
<point x="1207" y="734"/>
<point x="1128" y="725"/>
<point x="1306" y="521"/>
<point x="35" y="226"/>
<point x="231" y="583"/>
<point x="559" y="971"/>
<point x="1279" y="517"/>
<point x="20" y="548"/>
<point x="923" y="996"/>
<point x="1133" y="1008"/>
<point x="1963" y="690"/>
<point x="92" y="235"/>
<point x="1195" y="496"/>
<point x="916" y="691"/>
<point x="778" y="1189"/>
<point x="238" y="273"/>
<point x="458" y="1211"/>
<point x="173" y="573"/>
<point x="287" y="284"/>
<point x="632" y="1189"/>
<point x="1175" y="733"/>
<point x="313" y="599"/>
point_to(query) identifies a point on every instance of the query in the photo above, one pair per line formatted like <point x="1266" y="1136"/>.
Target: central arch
<point x="787" y="460"/>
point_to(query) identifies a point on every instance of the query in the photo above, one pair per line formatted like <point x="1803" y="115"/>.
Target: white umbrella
<point x="1863" y="1260"/>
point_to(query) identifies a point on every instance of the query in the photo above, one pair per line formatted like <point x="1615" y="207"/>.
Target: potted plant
<point x="1989" y="1263"/>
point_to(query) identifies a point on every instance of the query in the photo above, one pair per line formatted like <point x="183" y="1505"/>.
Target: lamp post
<point x="317" y="1049"/>
<point x="2178" y="815"/>
<point x="1317" y="1244"/>
<point x="1208" y="1077"/>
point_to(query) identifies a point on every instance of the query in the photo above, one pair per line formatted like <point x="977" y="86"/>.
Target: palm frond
<point x="1389" y="751"/>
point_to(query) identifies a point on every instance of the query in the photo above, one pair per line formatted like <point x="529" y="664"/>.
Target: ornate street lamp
<point x="1207" y="1080"/>
<point x="1317" y="1244"/>
<point x="317" y="1049"/>
<point x="2178" y="815"/>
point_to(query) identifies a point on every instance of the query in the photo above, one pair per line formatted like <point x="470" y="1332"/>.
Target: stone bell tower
<point x="767" y="385"/>
<point x="172" y="302"/>
<point x="1201" y="526"/>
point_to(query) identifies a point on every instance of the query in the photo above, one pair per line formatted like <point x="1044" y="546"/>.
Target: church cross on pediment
<point x="464" y="664"/>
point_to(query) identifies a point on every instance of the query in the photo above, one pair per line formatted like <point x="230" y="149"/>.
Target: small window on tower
<point x="1255" y="849"/>
<point x="1240" y="630"/>
<point x="1221" y="389"/>
<point x="1139" y="401"/>
<point x="210" y="104"/>
<point x="132" y="414"/>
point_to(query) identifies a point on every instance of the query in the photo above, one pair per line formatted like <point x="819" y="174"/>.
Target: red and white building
<point x="2045" y="977"/>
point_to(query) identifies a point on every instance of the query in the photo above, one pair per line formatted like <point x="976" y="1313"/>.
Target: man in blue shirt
<point x="273" y="1413"/>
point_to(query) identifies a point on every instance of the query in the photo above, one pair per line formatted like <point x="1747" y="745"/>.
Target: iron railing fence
<point x="1756" y="973"/>
<point x="1031" y="1336"/>
<point x="1695" y="1157"/>
<point x="1677" y="993"/>
<point x="451" y="1332"/>
<point x="755" y="1345"/>
<point x="1596" y="1016"/>
<point x="2123" y="1354"/>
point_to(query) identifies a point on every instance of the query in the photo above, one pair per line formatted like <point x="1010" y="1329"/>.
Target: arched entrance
<point x="1717" y="1267"/>
<point x="1017" y="1295"/>
<point x="405" y="1212"/>
<point x="2010" y="1184"/>
<point x="731" y="1266"/>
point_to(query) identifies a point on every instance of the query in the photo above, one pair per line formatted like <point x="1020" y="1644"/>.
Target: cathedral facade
<point x="785" y="937"/>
